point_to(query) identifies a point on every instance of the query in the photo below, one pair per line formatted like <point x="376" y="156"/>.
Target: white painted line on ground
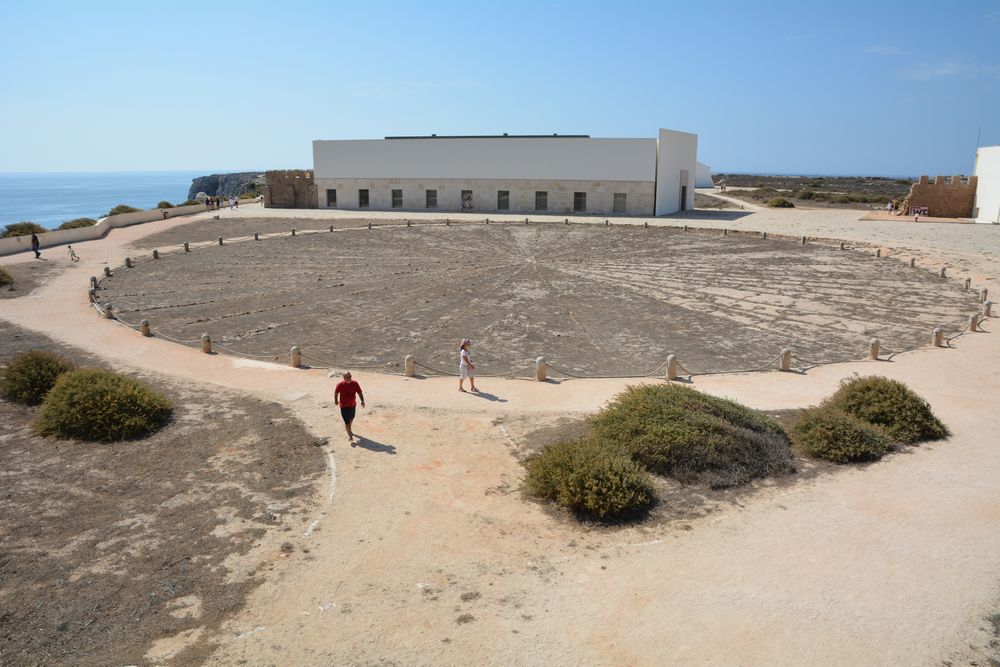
<point x="332" y="467"/>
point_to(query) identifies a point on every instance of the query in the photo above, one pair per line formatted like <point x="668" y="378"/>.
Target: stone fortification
<point x="290" y="188"/>
<point x="942" y="198"/>
<point x="225" y="185"/>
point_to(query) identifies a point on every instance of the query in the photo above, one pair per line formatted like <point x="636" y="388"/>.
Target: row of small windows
<point x="503" y="200"/>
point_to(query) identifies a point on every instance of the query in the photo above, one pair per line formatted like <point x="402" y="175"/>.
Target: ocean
<point x="51" y="199"/>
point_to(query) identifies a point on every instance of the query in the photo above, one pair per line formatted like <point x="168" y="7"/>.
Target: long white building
<point x="516" y="174"/>
<point x="987" y="206"/>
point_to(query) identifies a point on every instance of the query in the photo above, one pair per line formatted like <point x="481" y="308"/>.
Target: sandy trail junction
<point x="420" y="549"/>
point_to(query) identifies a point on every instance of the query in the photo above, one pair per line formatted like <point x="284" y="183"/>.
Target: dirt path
<point x="428" y="555"/>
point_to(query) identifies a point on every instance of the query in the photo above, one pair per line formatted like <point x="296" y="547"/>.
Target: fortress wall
<point x="944" y="198"/>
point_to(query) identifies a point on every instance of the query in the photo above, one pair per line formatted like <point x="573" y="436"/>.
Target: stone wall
<point x="943" y="197"/>
<point x="290" y="188"/>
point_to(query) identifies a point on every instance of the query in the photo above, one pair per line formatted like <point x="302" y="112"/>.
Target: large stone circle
<point x="594" y="300"/>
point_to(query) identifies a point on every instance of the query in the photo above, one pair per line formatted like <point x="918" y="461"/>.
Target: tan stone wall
<point x="600" y="194"/>
<point x="291" y="188"/>
<point x="943" y="197"/>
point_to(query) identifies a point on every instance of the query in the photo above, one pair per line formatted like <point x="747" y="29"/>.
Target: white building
<point x="703" y="179"/>
<point x="987" y="206"/>
<point x="517" y="174"/>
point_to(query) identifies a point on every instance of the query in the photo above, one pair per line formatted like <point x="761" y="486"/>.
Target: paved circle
<point x="594" y="300"/>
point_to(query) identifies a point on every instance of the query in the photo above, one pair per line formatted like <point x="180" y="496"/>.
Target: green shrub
<point x="78" y="222"/>
<point x="685" y="434"/>
<point x="23" y="228"/>
<point x="805" y="194"/>
<point x="164" y="204"/>
<point x="190" y="202"/>
<point x="593" y="482"/>
<point x="828" y="433"/>
<point x="5" y="278"/>
<point x="780" y="202"/>
<point x="904" y="415"/>
<point x="821" y="196"/>
<point x="94" y="404"/>
<point x="30" y="375"/>
<point x="123" y="208"/>
<point x="843" y="199"/>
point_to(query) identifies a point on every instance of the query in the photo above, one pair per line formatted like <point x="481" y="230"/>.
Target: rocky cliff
<point x="226" y="185"/>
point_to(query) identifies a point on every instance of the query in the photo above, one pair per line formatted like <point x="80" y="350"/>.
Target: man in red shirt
<point x="343" y="395"/>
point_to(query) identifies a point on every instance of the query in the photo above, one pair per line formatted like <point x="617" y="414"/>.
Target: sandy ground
<point x="427" y="554"/>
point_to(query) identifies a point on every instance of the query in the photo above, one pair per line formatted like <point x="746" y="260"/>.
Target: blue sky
<point x="892" y="88"/>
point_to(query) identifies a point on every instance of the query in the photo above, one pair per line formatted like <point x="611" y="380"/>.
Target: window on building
<point x="466" y="200"/>
<point x="432" y="198"/>
<point x="579" y="201"/>
<point x="621" y="203"/>
<point x="331" y="198"/>
<point x="541" y="200"/>
<point x="362" y="198"/>
<point x="503" y="200"/>
<point x="397" y="198"/>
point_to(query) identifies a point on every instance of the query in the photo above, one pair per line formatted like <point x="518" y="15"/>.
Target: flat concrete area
<point x="594" y="300"/>
<point x="424" y="552"/>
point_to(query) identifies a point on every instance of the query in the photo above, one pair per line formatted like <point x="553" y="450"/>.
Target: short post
<point x="408" y="223"/>
<point x="108" y="315"/>
<point x="937" y="339"/>
<point x="606" y="223"/>
<point x="128" y="262"/>
<point x="987" y="309"/>
<point x="944" y="273"/>
<point x="841" y="245"/>
<point x="786" y="359"/>
<point x="295" y="360"/>
<point x="525" y="221"/>
<point x="540" y="368"/>
<point x="878" y="252"/>
<point x="220" y="239"/>
<point x="447" y="222"/>
<point x="803" y="240"/>
<point x="725" y="232"/>
<point x="566" y="222"/>
<point x="107" y="272"/>
<point x="487" y="221"/>
<point x="913" y="262"/>
<point x="144" y="328"/>
<point x="293" y="231"/>
<point x="982" y="295"/>
<point x="187" y="247"/>
<point x="646" y="224"/>
<point x="331" y="228"/>
<point x="409" y="366"/>
<point x="968" y="283"/>
<point x="685" y="228"/>
<point x="974" y="322"/>
<point x="765" y="236"/>
<point x="369" y="226"/>
<point x="671" y="366"/>
<point x="256" y="237"/>
<point x="156" y="254"/>
<point x="93" y="282"/>
<point x="873" y="349"/>
<point x="206" y="344"/>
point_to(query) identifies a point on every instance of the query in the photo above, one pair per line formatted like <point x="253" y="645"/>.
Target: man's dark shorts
<point x="348" y="413"/>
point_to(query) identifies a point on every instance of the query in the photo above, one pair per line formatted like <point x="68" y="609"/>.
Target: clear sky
<point x="891" y="88"/>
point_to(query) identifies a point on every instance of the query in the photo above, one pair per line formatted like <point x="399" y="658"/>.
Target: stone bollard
<point x="974" y="322"/>
<point x="369" y="226"/>
<point x="566" y="222"/>
<point x="447" y="222"/>
<point x="409" y="224"/>
<point x="725" y="232"/>
<point x="646" y="224"/>
<point x="93" y="282"/>
<point x="982" y="295"/>
<point x="987" y="309"/>
<point x="487" y="221"/>
<point x="144" y="328"/>
<point x="841" y="245"/>
<point x="331" y="228"/>
<point x="409" y="366"/>
<point x="607" y="223"/>
<point x="206" y="344"/>
<point x="803" y="240"/>
<point x="944" y="273"/>
<point x="685" y="228"/>
<point x="671" y="367"/>
<point x="540" y="368"/>
<point x="295" y="357"/>
<point x="256" y="237"/>
<point x="525" y="221"/>
<point x="764" y="236"/>
<point x="878" y="252"/>
<point x="107" y="272"/>
<point x="937" y="339"/>
<point x="293" y="231"/>
<point x="220" y="239"/>
<point x="913" y="262"/>
<point x="786" y="359"/>
<point x="156" y="254"/>
<point x="187" y="247"/>
<point x="128" y="262"/>
<point x="873" y="349"/>
<point x="968" y="283"/>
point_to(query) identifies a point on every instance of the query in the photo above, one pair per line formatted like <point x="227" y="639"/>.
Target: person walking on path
<point x="344" y="395"/>
<point x="35" y="245"/>
<point x="466" y="369"/>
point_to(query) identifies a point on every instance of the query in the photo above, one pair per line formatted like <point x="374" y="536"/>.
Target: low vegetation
<point x="23" y="228"/>
<point x="828" y="433"/>
<point x="30" y="375"/>
<point x="164" y="204"/>
<point x="890" y="405"/>
<point x="190" y="202"/>
<point x="98" y="405"/>
<point x="5" y="278"/>
<point x="779" y="202"/>
<point x="78" y="222"/>
<point x="590" y="480"/>
<point x="123" y="208"/>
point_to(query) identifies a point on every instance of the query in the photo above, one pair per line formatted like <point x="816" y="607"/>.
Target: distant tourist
<point x="35" y="245"/>
<point x="72" y="254"/>
<point x="261" y="199"/>
<point x="466" y="369"/>
<point x="344" y="396"/>
<point x="236" y="202"/>
<point x="890" y="207"/>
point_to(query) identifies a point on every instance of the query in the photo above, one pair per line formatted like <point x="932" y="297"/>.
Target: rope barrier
<point x="334" y="364"/>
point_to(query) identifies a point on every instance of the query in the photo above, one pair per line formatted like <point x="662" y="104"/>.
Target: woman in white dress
<point x="466" y="369"/>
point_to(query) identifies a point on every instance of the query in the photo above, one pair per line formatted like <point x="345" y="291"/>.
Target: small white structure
<point x="703" y="179"/>
<point x="987" y="206"/>
<point x="505" y="173"/>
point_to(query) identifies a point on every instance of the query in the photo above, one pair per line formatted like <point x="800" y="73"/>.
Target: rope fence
<point x="541" y="367"/>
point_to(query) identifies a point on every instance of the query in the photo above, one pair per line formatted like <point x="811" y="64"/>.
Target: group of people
<point x="347" y="392"/>
<point x="215" y="203"/>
